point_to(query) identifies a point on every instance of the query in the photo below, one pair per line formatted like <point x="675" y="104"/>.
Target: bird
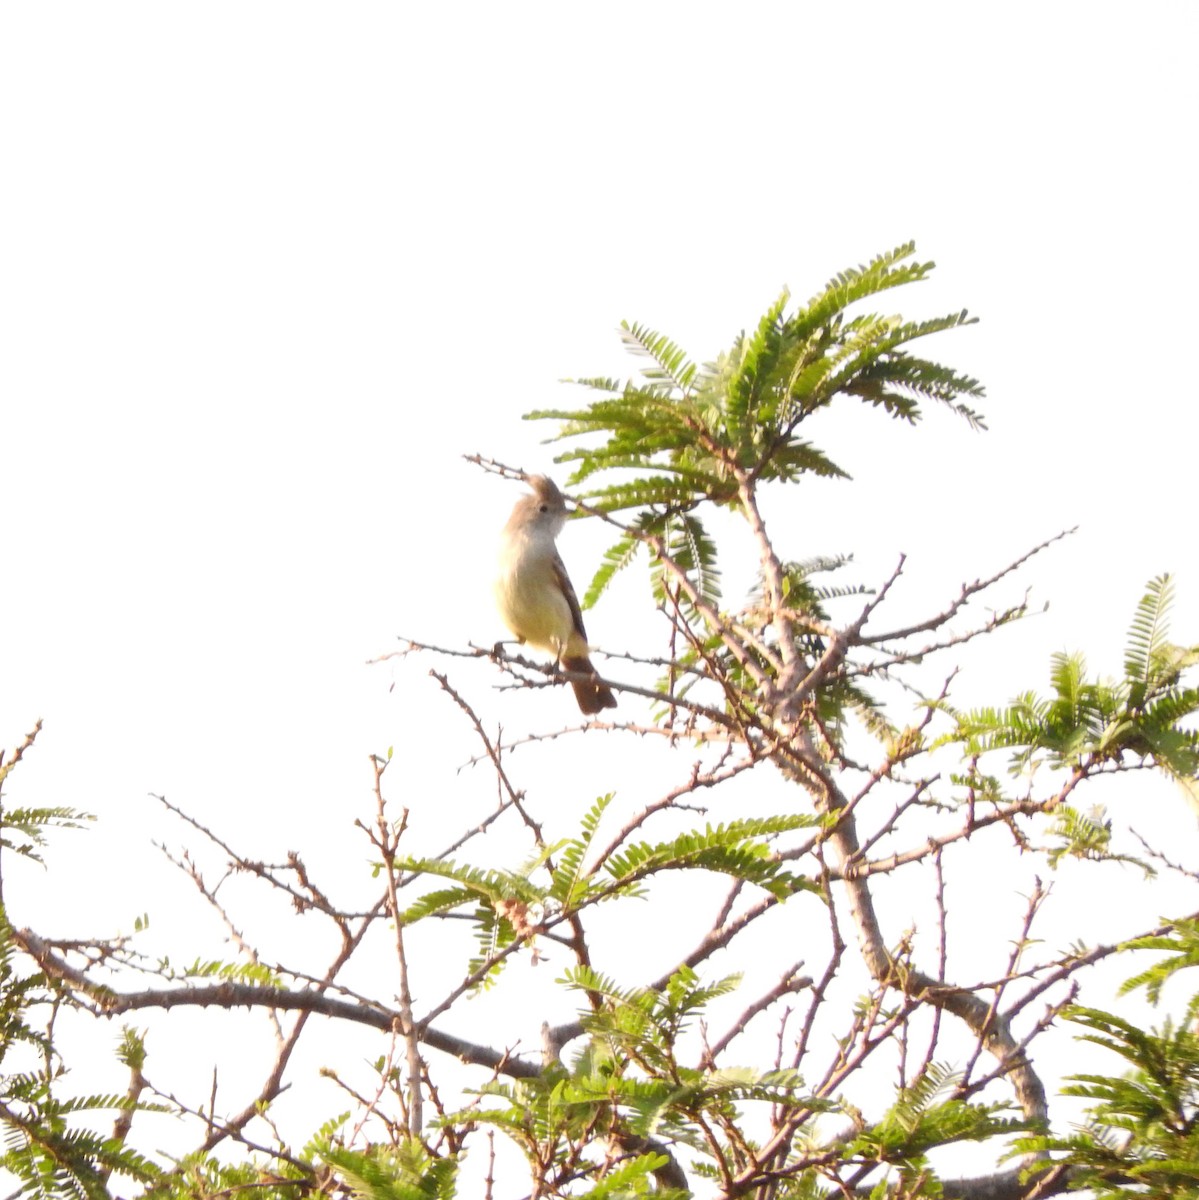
<point x="535" y="596"/>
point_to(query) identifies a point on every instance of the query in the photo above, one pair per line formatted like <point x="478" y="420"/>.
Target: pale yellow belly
<point x="536" y="611"/>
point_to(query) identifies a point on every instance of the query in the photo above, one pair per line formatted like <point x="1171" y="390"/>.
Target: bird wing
<point x="576" y="613"/>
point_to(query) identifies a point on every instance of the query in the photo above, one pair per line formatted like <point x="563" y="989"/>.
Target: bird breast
<point x="530" y="599"/>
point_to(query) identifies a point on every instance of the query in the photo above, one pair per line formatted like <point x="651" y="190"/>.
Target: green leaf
<point x="735" y="849"/>
<point x="405" y="1172"/>
<point x="672" y="368"/>
<point x="1147" y="634"/>
<point x="615" y="559"/>
<point x="568" y="886"/>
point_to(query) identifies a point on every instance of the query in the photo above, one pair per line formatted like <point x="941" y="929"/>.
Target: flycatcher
<point x="534" y="593"/>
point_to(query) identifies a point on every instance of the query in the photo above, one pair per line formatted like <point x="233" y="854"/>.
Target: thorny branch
<point x="386" y="839"/>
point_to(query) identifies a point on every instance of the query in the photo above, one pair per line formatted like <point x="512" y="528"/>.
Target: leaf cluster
<point x="632" y="1089"/>
<point x="689" y="433"/>
<point x="407" y="1171"/>
<point x="928" y="1115"/>
<point x="1090" y="724"/>
<point x="697" y="429"/>
<point x="44" y="1147"/>
<point x="1141" y="1136"/>
<point x="510" y="907"/>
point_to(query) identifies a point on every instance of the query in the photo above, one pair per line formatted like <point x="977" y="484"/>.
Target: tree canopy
<point x="798" y="1034"/>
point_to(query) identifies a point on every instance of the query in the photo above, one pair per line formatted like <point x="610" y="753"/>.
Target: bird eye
<point x="545" y="508"/>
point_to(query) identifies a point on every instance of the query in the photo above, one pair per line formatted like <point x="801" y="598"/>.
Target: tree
<point x="817" y="753"/>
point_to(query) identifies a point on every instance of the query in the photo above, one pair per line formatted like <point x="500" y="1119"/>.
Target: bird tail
<point x="592" y="695"/>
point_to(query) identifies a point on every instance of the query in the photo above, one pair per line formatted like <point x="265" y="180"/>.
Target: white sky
<point x="267" y="271"/>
